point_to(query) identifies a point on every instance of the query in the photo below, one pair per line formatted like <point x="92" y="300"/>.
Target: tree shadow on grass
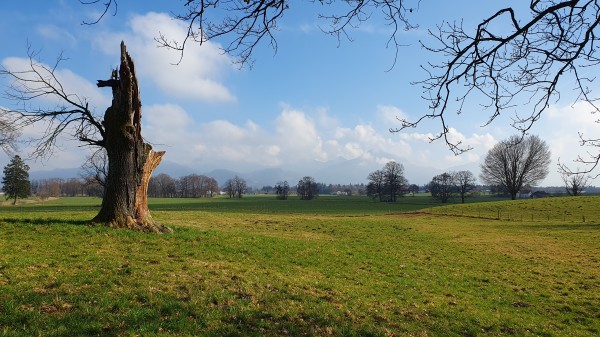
<point x="575" y="226"/>
<point x="70" y="315"/>
<point x="44" y="221"/>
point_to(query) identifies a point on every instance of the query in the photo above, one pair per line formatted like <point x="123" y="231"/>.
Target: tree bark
<point x="130" y="160"/>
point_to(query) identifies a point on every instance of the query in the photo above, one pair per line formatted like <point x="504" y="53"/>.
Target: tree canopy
<point x="307" y="188"/>
<point x="514" y="163"/>
<point x="388" y="183"/>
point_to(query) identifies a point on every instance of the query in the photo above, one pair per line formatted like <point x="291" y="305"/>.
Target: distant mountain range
<point x="339" y="171"/>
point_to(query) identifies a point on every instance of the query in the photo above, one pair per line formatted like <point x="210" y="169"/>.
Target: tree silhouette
<point x="515" y="163"/>
<point x="307" y="188"/>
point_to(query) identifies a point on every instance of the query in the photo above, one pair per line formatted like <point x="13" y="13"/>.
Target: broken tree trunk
<point x="130" y="160"/>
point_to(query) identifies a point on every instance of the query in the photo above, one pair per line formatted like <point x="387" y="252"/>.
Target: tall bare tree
<point x="162" y="186"/>
<point x="442" y="187"/>
<point x="516" y="162"/>
<point x="235" y="187"/>
<point x="307" y="188"/>
<point x="95" y="168"/>
<point x="394" y="180"/>
<point x="130" y="160"/>
<point x="464" y="182"/>
<point x="376" y="185"/>
<point x="282" y="189"/>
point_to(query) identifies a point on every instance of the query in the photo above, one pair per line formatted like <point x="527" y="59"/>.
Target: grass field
<point x="331" y="266"/>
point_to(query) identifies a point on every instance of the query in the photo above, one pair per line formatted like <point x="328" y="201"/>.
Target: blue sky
<point x="313" y="104"/>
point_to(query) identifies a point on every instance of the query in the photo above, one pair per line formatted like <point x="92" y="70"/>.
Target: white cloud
<point x="560" y="128"/>
<point x="52" y="32"/>
<point x="298" y="133"/>
<point x="198" y="75"/>
<point x="296" y="143"/>
<point x="390" y="115"/>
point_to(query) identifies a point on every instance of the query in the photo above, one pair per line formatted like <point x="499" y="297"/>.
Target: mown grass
<point x="265" y="267"/>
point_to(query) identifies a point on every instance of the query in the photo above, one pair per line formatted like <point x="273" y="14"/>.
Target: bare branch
<point x="8" y="132"/>
<point x="39" y="96"/>
<point x="241" y="25"/>
<point x="95" y="168"/>
<point x="107" y="4"/>
<point x="511" y="63"/>
<point x="575" y="181"/>
<point x="357" y="12"/>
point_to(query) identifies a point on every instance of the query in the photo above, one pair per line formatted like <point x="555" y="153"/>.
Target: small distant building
<point x="540" y="194"/>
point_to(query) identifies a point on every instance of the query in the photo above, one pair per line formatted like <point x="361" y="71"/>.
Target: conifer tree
<point x="16" y="179"/>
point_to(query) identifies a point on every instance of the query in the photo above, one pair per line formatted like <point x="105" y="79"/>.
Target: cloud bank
<point x="196" y="76"/>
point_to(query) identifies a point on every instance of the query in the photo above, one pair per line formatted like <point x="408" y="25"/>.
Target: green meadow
<point x="334" y="266"/>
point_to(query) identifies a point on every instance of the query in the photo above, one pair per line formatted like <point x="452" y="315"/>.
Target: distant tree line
<point x="189" y="186"/>
<point x="511" y="167"/>
<point x="338" y="189"/>
<point x="449" y="184"/>
<point x="59" y="187"/>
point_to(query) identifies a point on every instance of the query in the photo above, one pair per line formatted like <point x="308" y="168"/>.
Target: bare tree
<point x="212" y="187"/>
<point x="307" y="188"/>
<point x="229" y="188"/>
<point x="282" y="189"/>
<point x="72" y="187"/>
<point x="95" y="168"/>
<point x="235" y="187"/>
<point x="388" y="183"/>
<point x="376" y="185"/>
<point x="464" y="182"/>
<point x="575" y="184"/>
<point x="130" y="160"/>
<point x="47" y="188"/>
<point x="395" y="182"/>
<point x="163" y="186"/>
<point x="516" y="162"/>
<point x="442" y="187"/>
<point x="240" y="186"/>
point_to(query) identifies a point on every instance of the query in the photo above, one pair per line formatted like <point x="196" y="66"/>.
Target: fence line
<point x="520" y="216"/>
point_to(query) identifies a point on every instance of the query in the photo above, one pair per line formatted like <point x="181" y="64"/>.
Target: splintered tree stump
<point x="130" y="160"/>
<point x="141" y="197"/>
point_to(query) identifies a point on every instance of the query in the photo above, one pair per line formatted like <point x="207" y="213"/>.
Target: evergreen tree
<point x="16" y="180"/>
